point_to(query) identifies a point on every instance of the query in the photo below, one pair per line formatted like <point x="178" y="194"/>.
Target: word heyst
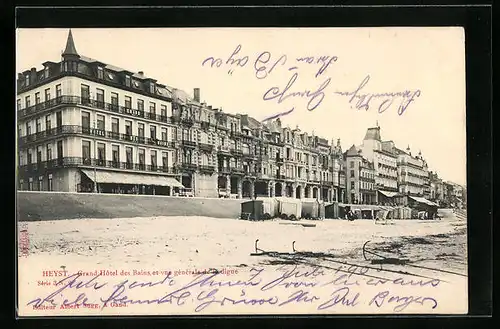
<point x="265" y="63"/>
<point x="283" y="286"/>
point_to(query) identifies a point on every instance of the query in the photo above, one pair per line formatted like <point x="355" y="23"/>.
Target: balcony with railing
<point x="249" y="155"/>
<point x="206" y="169"/>
<point x="189" y="144"/>
<point x="224" y="149"/>
<point x="235" y="134"/>
<point x="222" y="125"/>
<point x="206" y="147"/>
<point x="250" y="174"/>
<point x="70" y="162"/>
<point x="80" y="130"/>
<point x="237" y="171"/>
<point x="189" y="166"/>
<point x="37" y="109"/>
<point x="224" y="170"/>
<point x="236" y="152"/>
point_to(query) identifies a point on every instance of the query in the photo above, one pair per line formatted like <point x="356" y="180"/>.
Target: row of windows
<point x="368" y="175"/>
<point x="38" y="97"/>
<point x="307" y="158"/>
<point x="115" y="127"/>
<point x="32" y="157"/>
<point x="363" y="185"/>
<point x="37" y="184"/>
<point x="114" y="100"/>
<point x="115" y="154"/>
<point x="363" y="174"/>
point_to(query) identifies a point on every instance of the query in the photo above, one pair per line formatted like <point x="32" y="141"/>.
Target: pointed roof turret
<point x="70" y="47"/>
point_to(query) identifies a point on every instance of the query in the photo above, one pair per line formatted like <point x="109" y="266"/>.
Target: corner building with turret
<point x="88" y="126"/>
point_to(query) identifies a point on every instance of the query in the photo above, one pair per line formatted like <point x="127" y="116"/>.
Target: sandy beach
<point x="433" y="248"/>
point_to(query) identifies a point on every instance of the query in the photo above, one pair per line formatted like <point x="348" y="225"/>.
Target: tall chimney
<point x="196" y="92"/>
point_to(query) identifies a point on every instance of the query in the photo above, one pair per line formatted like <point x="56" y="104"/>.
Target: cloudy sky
<point x="419" y="69"/>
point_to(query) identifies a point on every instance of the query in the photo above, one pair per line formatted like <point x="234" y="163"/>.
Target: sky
<point x="419" y="69"/>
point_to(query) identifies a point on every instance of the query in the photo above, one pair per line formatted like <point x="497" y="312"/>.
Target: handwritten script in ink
<point x="268" y="288"/>
<point x="288" y="94"/>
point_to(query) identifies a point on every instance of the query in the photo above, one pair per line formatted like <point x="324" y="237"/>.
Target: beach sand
<point x="434" y="248"/>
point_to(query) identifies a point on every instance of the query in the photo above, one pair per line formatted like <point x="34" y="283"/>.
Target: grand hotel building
<point x="88" y="126"/>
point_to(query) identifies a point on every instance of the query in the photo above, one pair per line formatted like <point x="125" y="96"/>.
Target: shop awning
<point x="129" y="178"/>
<point x="424" y="201"/>
<point x="389" y="194"/>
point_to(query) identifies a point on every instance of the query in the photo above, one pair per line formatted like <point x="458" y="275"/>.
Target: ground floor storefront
<point x="101" y="181"/>
<point x="186" y="183"/>
<point x="235" y="186"/>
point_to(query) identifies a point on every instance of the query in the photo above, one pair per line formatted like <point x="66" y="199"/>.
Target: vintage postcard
<point x="207" y="171"/>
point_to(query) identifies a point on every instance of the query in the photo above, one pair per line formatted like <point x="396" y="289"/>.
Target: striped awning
<point x="389" y="194"/>
<point x="112" y="177"/>
<point x="424" y="201"/>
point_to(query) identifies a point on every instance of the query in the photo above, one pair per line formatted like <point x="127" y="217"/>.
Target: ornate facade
<point x="88" y="126"/>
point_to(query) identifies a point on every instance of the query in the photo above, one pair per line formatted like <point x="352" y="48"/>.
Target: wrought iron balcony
<point x="236" y="152"/>
<point x="189" y="166"/>
<point x="223" y="149"/>
<point x="235" y="134"/>
<point x="73" y="129"/>
<point x="237" y="171"/>
<point x="224" y="170"/>
<point x="68" y="162"/>
<point x="251" y="174"/>
<point x="206" y="168"/>
<point x="222" y="126"/>
<point x="76" y="100"/>
<point x="206" y="147"/>
<point x="250" y="156"/>
<point x="190" y="144"/>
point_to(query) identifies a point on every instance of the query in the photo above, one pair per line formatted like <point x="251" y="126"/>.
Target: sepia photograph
<point x="228" y="171"/>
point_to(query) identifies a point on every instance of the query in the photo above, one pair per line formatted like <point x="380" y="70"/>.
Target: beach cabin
<point x="332" y="210"/>
<point x="313" y="209"/>
<point x="259" y="209"/>
<point x="288" y="207"/>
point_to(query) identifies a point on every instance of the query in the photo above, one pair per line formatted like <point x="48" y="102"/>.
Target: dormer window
<point x="46" y="72"/>
<point x="152" y="87"/>
<point x="27" y="80"/>
<point x="127" y="80"/>
<point x="100" y="73"/>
